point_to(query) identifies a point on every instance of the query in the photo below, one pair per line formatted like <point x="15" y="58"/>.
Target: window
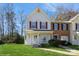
<point x="43" y="25"/>
<point x="56" y="26"/>
<point x="77" y="26"/>
<point x="76" y="36"/>
<point x="44" y="39"/>
<point x="35" y="37"/>
<point x="33" y="25"/>
<point x="64" y="26"/>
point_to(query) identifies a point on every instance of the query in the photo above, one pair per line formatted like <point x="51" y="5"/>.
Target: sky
<point x="49" y="8"/>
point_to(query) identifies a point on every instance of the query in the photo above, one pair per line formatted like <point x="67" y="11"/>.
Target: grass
<point x="74" y="47"/>
<point x="24" y="50"/>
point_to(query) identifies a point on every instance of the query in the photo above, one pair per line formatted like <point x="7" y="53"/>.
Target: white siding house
<point x="39" y="29"/>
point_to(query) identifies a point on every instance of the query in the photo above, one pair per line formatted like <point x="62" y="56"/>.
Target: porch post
<point x="38" y="39"/>
<point x="31" y="38"/>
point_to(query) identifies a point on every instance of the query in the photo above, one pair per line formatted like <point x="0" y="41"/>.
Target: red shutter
<point x="66" y="26"/>
<point x="40" y="25"/>
<point x="46" y="25"/>
<point x="30" y="24"/>
<point x="36" y="24"/>
<point x="53" y="26"/>
<point x="76" y="26"/>
<point x="59" y="26"/>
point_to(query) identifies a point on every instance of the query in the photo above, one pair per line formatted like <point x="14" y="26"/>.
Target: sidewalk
<point x="63" y="52"/>
<point x="70" y="49"/>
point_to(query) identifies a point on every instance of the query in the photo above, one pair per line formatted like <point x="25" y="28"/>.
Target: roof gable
<point x="38" y="13"/>
<point x="74" y="18"/>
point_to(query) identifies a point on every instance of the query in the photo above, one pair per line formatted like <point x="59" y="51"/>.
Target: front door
<point x="55" y="37"/>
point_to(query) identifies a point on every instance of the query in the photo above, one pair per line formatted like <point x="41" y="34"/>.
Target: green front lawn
<point x="74" y="46"/>
<point x="24" y="50"/>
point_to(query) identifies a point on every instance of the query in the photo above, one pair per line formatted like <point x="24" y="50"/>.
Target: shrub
<point x="19" y="40"/>
<point x="58" y="42"/>
<point x="1" y="42"/>
<point x="51" y="42"/>
<point x="54" y="42"/>
<point x="9" y="38"/>
<point x="15" y="38"/>
<point x="69" y="43"/>
<point x="36" y="46"/>
<point x="65" y="43"/>
<point x="44" y="45"/>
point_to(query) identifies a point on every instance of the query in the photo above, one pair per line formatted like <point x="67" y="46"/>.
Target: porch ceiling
<point x="39" y="32"/>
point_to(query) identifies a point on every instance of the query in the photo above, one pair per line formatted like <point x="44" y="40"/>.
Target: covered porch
<point x="38" y="36"/>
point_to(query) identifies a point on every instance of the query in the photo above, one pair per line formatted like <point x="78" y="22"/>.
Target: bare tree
<point x="22" y="22"/>
<point x="66" y="13"/>
<point x="10" y="20"/>
<point x="2" y="21"/>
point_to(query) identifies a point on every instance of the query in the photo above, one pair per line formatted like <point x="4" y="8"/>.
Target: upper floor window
<point x="64" y="26"/>
<point x="33" y="25"/>
<point x="43" y="25"/>
<point x="55" y="26"/>
<point x="77" y="26"/>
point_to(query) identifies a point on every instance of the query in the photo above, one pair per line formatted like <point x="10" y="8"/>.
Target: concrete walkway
<point x="58" y="51"/>
<point x="70" y="49"/>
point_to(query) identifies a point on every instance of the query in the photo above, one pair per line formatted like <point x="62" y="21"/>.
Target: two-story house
<point x="40" y="28"/>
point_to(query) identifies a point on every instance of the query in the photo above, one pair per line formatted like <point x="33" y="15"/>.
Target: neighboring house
<point x="40" y="28"/>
